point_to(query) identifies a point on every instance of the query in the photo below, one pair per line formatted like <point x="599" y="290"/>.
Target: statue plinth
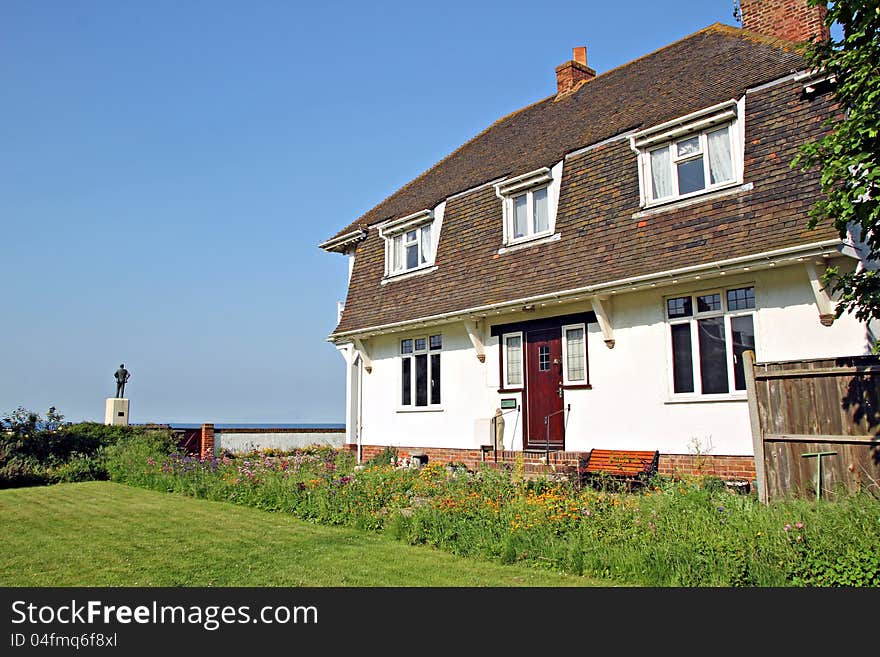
<point x="116" y="411"/>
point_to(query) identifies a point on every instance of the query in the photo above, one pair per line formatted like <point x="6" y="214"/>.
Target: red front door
<point x="543" y="389"/>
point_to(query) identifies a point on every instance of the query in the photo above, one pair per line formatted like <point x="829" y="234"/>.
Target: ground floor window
<point x="708" y="334"/>
<point x="420" y="371"/>
<point x="574" y="353"/>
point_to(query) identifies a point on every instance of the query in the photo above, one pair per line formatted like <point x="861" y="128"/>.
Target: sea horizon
<point x="251" y="425"/>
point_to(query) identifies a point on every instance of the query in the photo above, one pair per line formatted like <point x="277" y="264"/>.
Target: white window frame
<point x="728" y="114"/>
<point x="527" y="184"/>
<point x="427" y="351"/>
<point x="692" y="321"/>
<point x="505" y="382"/>
<point x="565" y="379"/>
<point x="398" y="229"/>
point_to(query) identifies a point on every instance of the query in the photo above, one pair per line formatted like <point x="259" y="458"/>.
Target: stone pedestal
<point x="116" y="411"/>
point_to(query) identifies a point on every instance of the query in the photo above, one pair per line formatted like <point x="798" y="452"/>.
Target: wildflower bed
<point x="674" y="533"/>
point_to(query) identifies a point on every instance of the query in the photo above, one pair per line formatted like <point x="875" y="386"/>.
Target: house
<point x="593" y="266"/>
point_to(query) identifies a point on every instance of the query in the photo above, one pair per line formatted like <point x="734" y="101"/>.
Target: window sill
<point x="719" y="192"/>
<point x="522" y="243"/>
<point x="703" y="399"/>
<point x="577" y="386"/>
<point x="509" y="391"/>
<point x="420" y="409"/>
<point x="409" y="273"/>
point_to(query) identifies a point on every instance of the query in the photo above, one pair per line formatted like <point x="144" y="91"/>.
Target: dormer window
<point x="410" y="249"/>
<point x="529" y="204"/>
<point x="698" y="153"/>
<point x="409" y="242"/>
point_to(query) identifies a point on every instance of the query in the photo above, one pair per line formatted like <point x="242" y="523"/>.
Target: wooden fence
<point x="815" y="425"/>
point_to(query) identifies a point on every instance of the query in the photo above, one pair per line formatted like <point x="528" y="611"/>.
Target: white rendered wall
<point x="629" y="405"/>
<point x="461" y="421"/>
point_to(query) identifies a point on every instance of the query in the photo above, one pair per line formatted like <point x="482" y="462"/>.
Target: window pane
<point x="406" y="346"/>
<point x="426" y="244"/>
<point x="421" y="380"/>
<point x="661" y="173"/>
<point x="713" y="355"/>
<point x="574" y="354"/>
<point x="690" y="176"/>
<point x="436" y="341"/>
<point x="682" y="363"/>
<point x="411" y="236"/>
<point x="542" y="218"/>
<point x="708" y="303"/>
<point x="435" y="378"/>
<point x="720" y="160"/>
<point x="741" y="298"/>
<point x="406" y="381"/>
<point x="513" y="350"/>
<point x="520" y="221"/>
<point x="543" y="358"/>
<point x="679" y="307"/>
<point x="743" y="330"/>
<point x="412" y="256"/>
<point x="397" y="254"/>
<point x="420" y="344"/>
<point x="688" y="146"/>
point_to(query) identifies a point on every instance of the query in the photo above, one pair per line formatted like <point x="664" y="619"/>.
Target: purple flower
<point x="786" y="528"/>
<point x="799" y="525"/>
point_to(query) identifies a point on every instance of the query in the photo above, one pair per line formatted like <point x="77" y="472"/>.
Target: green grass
<point x="106" y="534"/>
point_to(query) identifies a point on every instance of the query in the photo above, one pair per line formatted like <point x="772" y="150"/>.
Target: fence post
<point x="755" y="422"/>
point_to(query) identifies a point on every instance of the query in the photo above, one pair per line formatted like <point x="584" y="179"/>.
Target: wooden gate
<point x="810" y="413"/>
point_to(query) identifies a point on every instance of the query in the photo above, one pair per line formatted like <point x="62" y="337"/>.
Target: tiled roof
<point x="600" y="239"/>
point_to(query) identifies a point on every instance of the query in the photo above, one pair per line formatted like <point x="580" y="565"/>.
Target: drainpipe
<point x="360" y="407"/>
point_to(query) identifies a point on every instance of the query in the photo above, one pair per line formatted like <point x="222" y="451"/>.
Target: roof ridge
<point x="454" y="152"/>
<point x="717" y="28"/>
<point x="714" y="28"/>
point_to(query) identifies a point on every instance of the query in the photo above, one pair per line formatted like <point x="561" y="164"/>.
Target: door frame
<point x="527" y="326"/>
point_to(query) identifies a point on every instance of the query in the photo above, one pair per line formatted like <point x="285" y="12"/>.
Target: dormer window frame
<point x="408" y="233"/>
<point x="686" y="141"/>
<point x="522" y="197"/>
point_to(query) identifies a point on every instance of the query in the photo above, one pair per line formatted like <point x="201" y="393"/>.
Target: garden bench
<point x="627" y="466"/>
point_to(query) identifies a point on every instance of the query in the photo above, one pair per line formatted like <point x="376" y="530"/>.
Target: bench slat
<point x="629" y="464"/>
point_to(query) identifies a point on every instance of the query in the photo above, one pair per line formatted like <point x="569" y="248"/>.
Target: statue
<point x="122" y="375"/>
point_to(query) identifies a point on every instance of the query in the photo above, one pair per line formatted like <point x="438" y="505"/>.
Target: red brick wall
<point x="207" y="444"/>
<point x="727" y="467"/>
<point x="793" y="20"/>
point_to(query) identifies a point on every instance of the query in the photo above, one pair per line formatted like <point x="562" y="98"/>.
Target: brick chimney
<point x="570" y="74"/>
<point x="793" y="20"/>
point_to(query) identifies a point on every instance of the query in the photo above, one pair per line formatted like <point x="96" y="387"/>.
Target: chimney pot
<point x="579" y="55"/>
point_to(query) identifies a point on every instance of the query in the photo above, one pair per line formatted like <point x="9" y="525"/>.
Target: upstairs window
<point x="409" y="242"/>
<point x="691" y="165"/>
<point x="410" y="250"/>
<point x="699" y="153"/>
<point x="529" y="204"/>
<point x="529" y="214"/>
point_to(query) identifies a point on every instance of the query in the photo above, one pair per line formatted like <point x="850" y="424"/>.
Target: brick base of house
<point x="741" y="468"/>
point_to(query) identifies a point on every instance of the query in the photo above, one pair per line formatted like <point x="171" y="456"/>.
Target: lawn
<point x="106" y="534"/>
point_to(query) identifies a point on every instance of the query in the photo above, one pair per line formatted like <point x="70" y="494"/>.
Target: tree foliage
<point x="849" y="155"/>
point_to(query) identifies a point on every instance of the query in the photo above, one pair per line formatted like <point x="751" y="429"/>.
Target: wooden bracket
<point x="602" y="308"/>
<point x="823" y="299"/>
<point x="473" y="332"/>
<point x="364" y="351"/>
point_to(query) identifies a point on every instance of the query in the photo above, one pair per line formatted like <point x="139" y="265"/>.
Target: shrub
<point x="37" y="449"/>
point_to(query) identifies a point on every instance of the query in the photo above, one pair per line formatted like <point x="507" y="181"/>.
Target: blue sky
<point x="168" y="168"/>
